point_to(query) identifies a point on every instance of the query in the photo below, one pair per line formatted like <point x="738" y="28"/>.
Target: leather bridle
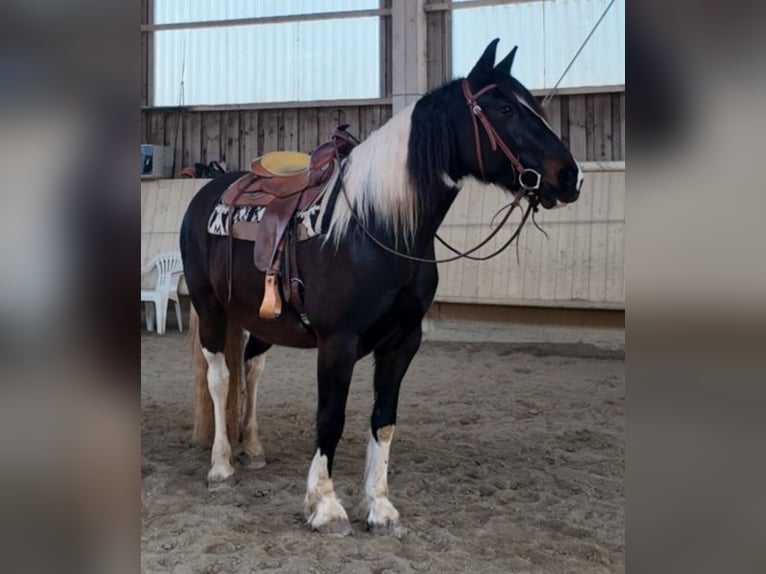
<point x="495" y="141"/>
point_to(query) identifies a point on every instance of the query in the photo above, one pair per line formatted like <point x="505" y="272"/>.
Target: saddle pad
<point x="313" y="221"/>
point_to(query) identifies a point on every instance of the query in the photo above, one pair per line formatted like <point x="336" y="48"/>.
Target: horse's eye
<point x="506" y="110"/>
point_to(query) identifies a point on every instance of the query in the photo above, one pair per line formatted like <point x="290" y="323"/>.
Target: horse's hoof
<point x="220" y="478"/>
<point x="252" y="461"/>
<point x="382" y="518"/>
<point x="337" y="527"/>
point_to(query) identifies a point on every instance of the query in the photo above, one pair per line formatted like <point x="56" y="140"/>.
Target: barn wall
<point x="236" y="136"/>
<point x="593" y="125"/>
<point x="579" y="265"/>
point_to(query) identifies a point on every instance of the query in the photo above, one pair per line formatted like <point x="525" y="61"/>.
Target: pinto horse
<point x="370" y="277"/>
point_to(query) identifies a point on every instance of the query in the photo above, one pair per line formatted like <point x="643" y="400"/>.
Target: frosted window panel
<point x="548" y="35"/>
<point x="295" y="61"/>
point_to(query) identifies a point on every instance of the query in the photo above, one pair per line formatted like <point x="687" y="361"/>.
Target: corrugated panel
<point x="548" y="34"/>
<point x="294" y="61"/>
<point x="163" y="204"/>
<point x="580" y="264"/>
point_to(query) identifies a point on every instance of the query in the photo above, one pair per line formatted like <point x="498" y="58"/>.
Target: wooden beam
<point x="275" y="105"/>
<point x="266" y="20"/>
<point x="408" y="66"/>
<point x="444" y="6"/>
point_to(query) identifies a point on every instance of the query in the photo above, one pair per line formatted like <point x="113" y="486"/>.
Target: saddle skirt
<point x="311" y="221"/>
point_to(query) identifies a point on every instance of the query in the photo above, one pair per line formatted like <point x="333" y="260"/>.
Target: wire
<point x="577" y="54"/>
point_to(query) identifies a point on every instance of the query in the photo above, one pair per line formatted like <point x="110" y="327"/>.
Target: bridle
<point x="527" y="188"/>
<point x="522" y="174"/>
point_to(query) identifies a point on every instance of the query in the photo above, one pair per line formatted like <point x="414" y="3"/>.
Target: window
<point x="271" y="62"/>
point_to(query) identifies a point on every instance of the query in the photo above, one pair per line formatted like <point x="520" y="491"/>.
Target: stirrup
<point x="271" y="306"/>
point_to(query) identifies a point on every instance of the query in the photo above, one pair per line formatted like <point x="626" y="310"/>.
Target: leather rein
<point x="528" y="188"/>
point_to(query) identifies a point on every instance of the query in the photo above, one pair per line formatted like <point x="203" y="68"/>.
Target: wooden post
<point x="408" y="58"/>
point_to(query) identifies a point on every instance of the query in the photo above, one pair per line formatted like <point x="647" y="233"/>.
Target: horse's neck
<point x="433" y="212"/>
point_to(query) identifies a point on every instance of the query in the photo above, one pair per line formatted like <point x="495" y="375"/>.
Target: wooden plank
<point x="615" y="250"/>
<point x="598" y="242"/>
<point x="230" y="135"/>
<point x="369" y="119"/>
<point x="248" y="139"/>
<point x="156" y="133"/>
<point x="288" y="130"/>
<point x="581" y="251"/>
<point x="325" y="124"/>
<point x="211" y="137"/>
<point x="590" y="143"/>
<point x="192" y="144"/>
<point x="271" y="129"/>
<point x="602" y="127"/>
<point x="550" y="221"/>
<point x="553" y="111"/>
<point x="174" y="137"/>
<point x="622" y="127"/>
<point x="576" y="123"/>
<point x="617" y="133"/>
<point x="308" y="131"/>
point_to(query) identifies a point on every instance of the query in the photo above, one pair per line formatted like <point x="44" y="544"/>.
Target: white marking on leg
<point x="380" y="511"/>
<point x="253" y="372"/>
<point x="321" y="505"/>
<point x="218" y="385"/>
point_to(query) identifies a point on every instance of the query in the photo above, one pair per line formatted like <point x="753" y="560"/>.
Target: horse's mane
<point x="377" y="183"/>
<point x="391" y="173"/>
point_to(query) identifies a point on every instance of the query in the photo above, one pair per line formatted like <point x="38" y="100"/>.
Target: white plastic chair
<point x="169" y="270"/>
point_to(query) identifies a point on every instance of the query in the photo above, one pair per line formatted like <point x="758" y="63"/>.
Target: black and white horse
<point x="360" y="297"/>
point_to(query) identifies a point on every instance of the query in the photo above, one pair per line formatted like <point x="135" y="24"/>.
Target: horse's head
<point x="504" y="138"/>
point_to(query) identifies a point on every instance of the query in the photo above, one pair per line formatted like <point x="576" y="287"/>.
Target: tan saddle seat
<point x="281" y="163"/>
<point x="283" y="183"/>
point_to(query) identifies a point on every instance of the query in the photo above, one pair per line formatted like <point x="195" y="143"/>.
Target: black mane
<point x="432" y="144"/>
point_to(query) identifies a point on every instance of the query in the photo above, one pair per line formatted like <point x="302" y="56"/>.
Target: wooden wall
<point x="593" y="125"/>
<point x="236" y="136"/>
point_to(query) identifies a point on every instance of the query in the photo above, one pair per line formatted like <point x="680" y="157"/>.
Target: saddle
<point x="283" y="183"/>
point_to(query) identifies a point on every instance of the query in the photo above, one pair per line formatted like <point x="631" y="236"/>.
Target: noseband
<point x="529" y="179"/>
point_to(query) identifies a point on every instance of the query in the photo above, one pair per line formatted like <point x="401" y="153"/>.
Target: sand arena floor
<point x="506" y="458"/>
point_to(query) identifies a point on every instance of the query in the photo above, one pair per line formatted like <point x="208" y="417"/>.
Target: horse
<point x="370" y="277"/>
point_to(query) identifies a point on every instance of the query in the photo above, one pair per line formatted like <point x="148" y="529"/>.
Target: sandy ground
<point x="507" y="457"/>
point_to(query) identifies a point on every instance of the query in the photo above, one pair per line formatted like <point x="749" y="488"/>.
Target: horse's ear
<point x="486" y="63"/>
<point x="506" y="63"/>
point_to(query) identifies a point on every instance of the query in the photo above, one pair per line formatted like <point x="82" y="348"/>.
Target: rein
<point x="528" y="188"/>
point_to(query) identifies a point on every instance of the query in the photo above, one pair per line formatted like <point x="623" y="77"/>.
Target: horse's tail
<point x="204" y="424"/>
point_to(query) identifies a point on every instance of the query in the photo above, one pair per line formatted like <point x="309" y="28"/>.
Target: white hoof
<point x="328" y="516"/>
<point x="220" y="473"/>
<point x="382" y="517"/>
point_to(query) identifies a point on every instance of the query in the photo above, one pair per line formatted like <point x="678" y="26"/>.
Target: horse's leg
<point x="337" y="356"/>
<point x="391" y="363"/>
<point x="255" y="361"/>
<point x="212" y="335"/>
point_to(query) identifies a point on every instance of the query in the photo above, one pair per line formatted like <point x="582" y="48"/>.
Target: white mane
<point x="376" y="181"/>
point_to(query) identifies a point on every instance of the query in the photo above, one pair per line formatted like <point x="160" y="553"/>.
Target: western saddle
<point x="283" y="183"/>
